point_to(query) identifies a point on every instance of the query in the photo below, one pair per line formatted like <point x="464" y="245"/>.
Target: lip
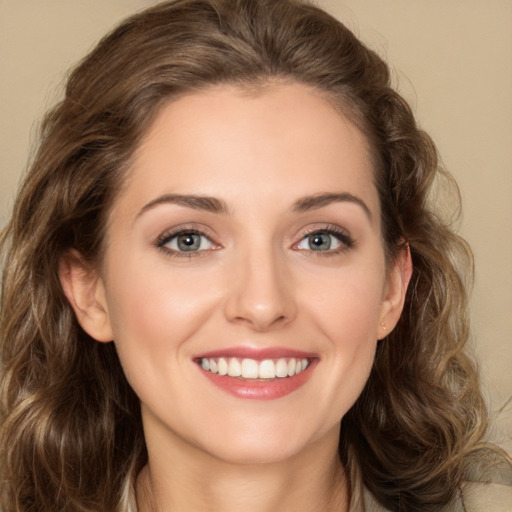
<point x="257" y="353"/>
<point x="259" y="389"/>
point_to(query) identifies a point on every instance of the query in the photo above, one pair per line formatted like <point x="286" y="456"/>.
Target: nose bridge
<point x="261" y="290"/>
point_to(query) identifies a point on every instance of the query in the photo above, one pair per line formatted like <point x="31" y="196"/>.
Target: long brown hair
<point x="71" y="433"/>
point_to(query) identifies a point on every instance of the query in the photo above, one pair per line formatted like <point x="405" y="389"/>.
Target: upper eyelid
<point x="344" y="236"/>
<point x="170" y="233"/>
<point x="323" y="228"/>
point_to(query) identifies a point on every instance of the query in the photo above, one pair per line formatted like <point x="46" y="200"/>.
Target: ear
<point x="85" y="291"/>
<point x="394" y="294"/>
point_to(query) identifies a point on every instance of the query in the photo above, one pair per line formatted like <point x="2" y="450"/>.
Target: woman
<point x="225" y="286"/>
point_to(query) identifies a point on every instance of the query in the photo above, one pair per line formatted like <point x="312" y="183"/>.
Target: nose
<point x="260" y="292"/>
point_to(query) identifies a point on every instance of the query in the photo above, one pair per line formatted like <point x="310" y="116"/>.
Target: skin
<point x="255" y="282"/>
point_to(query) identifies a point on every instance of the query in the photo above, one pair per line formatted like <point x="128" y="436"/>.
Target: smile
<point x="257" y="374"/>
<point x="254" y="369"/>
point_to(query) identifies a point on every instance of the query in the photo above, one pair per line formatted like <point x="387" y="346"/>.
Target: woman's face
<point x="247" y="239"/>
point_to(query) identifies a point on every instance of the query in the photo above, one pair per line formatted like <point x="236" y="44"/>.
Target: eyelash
<point x="344" y="238"/>
<point x="167" y="237"/>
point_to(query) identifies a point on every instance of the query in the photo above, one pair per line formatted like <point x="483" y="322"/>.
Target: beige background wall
<point x="452" y="61"/>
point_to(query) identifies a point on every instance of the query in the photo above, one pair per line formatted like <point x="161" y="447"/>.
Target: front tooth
<point x="214" y="368"/>
<point x="222" y="366"/>
<point x="281" y="368"/>
<point x="291" y="367"/>
<point x="267" y="369"/>
<point x="249" y="369"/>
<point x="205" y="363"/>
<point x="234" y="368"/>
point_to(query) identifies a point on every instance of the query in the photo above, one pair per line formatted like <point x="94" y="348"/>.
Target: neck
<point x="308" y="482"/>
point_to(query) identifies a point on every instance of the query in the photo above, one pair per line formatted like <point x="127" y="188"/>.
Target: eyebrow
<point x="218" y="206"/>
<point x="316" y="201"/>
<point x="204" y="203"/>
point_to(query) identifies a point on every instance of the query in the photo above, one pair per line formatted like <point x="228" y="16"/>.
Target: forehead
<point x="278" y="141"/>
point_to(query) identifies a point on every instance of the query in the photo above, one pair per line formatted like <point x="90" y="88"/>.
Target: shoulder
<point x="489" y="497"/>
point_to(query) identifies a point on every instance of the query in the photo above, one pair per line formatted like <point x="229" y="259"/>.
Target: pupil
<point x="320" y="241"/>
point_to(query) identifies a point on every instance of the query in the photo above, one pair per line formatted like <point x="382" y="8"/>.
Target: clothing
<point x="476" y="497"/>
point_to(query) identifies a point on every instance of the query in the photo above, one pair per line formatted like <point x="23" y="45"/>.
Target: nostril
<point x="260" y="296"/>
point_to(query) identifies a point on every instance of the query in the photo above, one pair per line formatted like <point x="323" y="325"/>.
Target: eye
<point x="319" y="241"/>
<point x="325" y="240"/>
<point x="185" y="241"/>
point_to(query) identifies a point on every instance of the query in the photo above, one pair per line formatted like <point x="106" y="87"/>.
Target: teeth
<point x="281" y="368"/>
<point x="250" y="369"/>
<point x="234" y="368"/>
<point x="222" y="365"/>
<point x="291" y="367"/>
<point x="253" y="369"/>
<point x="267" y="369"/>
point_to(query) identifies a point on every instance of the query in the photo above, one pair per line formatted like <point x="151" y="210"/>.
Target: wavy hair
<point x="70" y="429"/>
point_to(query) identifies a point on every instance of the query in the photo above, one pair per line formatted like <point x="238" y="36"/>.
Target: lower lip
<point x="260" y="389"/>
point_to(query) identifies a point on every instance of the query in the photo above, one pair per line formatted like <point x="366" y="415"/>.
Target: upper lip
<point x="257" y="353"/>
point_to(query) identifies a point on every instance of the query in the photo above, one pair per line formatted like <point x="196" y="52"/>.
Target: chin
<point x="271" y="445"/>
<point x="257" y="452"/>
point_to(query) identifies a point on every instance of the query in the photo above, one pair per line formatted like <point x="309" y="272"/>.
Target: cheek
<point x="157" y="310"/>
<point x="348" y="304"/>
<point x="347" y="313"/>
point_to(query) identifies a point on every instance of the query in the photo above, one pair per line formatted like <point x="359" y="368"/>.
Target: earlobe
<point x="396" y="289"/>
<point x="85" y="292"/>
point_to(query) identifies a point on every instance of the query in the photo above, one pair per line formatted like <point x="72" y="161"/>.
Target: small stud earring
<point x="383" y="325"/>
